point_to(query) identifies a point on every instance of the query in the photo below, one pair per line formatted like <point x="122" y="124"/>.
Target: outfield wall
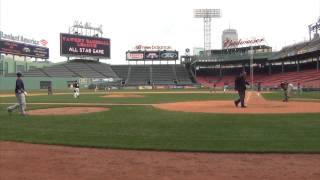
<point x="8" y="65"/>
<point x="8" y="83"/>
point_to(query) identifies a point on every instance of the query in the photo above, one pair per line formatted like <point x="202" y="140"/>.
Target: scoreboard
<point x="84" y="46"/>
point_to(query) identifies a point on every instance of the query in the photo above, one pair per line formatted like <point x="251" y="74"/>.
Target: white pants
<point x="76" y="92"/>
<point x="21" y="104"/>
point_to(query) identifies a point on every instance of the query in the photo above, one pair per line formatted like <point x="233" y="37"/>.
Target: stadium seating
<point x="121" y="71"/>
<point x="153" y="74"/>
<point x="139" y="75"/>
<point x="307" y="78"/>
<point x="163" y="75"/>
<point x="83" y="70"/>
<point x="103" y="69"/>
<point x="182" y="75"/>
<point x="310" y="78"/>
<point x="36" y="72"/>
<point x="58" y="71"/>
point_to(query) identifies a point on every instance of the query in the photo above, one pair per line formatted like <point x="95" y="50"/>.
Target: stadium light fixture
<point x="207" y="15"/>
<point x="86" y="29"/>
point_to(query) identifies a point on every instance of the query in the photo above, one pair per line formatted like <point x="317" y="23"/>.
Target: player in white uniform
<point x="76" y="90"/>
<point x="287" y="88"/>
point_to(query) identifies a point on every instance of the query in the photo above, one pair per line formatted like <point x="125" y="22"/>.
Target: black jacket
<point x="240" y="83"/>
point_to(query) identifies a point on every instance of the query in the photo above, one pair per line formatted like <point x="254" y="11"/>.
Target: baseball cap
<point x="19" y="74"/>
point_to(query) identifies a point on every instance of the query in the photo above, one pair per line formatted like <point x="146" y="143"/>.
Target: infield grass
<point x="143" y="127"/>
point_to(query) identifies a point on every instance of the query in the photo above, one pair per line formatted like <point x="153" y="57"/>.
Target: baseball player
<point x="21" y="96"/>
<point x="286" y="87"/>
<point x="76" y="90"/>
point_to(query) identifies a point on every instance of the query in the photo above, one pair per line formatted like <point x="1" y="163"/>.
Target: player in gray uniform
<point x="286" y="87"/>
<point x="21" y="96"/>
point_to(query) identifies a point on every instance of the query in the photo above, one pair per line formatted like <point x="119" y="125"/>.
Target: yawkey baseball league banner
<point x="84" y="46"/>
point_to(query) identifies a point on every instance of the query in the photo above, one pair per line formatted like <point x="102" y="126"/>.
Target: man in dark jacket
<point x="240" y="86"/>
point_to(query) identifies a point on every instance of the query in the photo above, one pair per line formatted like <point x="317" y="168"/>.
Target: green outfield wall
<point x="7" y="83"/>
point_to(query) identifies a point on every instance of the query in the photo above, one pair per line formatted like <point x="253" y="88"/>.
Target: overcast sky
<point x="159" y="22"/>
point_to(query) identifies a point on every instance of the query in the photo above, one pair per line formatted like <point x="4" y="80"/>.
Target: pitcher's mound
<point x="227" y="107"/>
<point x="256" y="105"/>
<point x="66" y="111"/>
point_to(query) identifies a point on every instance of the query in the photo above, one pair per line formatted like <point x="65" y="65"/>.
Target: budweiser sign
<point x="231" y="43"/>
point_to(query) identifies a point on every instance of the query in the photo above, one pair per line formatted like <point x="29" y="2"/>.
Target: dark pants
<point x="242" y="95"/>
<point x="286" y="96"/>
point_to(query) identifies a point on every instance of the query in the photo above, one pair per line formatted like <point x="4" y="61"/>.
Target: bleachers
<point x="36" y="72"/>
<point x="121" y="71"/>
<point x="58" y="71"/>
<point x="182" y="75"/>
<point x="307" y="78"/>
<point x="103" y="69"/>
<point x="163" y="75"/>
<point x="73" y="69"/>
<point x="139" y="75"/>
<point x="83" y="70"/>
<point x="133" y="75"/>
<point x="153" y="74"/>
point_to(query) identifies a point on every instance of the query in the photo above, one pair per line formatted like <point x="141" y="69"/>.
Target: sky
<point x="159" y="22"/>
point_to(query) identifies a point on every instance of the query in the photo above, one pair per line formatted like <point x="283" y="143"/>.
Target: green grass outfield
<point x="144" y="127"/>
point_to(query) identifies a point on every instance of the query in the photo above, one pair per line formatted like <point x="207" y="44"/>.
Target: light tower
<point x="207" y="15"/>
<point x="85" y="29"/>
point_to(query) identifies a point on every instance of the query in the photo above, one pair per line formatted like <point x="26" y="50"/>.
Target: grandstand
<point x="134" y="75"/>
<point x="77" y="68"/>
<point x="298" y="63"/>
<point x="129" y="75"/>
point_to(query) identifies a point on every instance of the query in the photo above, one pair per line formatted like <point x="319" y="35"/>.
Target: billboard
<point x="22" y="39"/>
<point x="84" y="46"/>
<point x="152" y="55"/>
<point x="169" y="55"/>
<point x="229" y="43"/>
<point x="21" y="49"/>
<point x="135" y="55"/>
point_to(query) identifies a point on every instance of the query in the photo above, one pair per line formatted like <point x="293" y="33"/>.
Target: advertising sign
<point x="78" y="45"/>
<point x="169" y="55"/>
<point x="152" y="55"/>
<point x="21" y="49"/>
<point x="235" y="43"/>
<point x="135" y="55"/>
<point x="22" y="39"/>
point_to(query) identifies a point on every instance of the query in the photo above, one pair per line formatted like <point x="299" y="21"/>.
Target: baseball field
<point x="142" y="134"/>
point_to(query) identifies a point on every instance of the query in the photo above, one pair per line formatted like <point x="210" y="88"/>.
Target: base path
<point x="29" y="162"/>
<point x="256" y="104"/>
